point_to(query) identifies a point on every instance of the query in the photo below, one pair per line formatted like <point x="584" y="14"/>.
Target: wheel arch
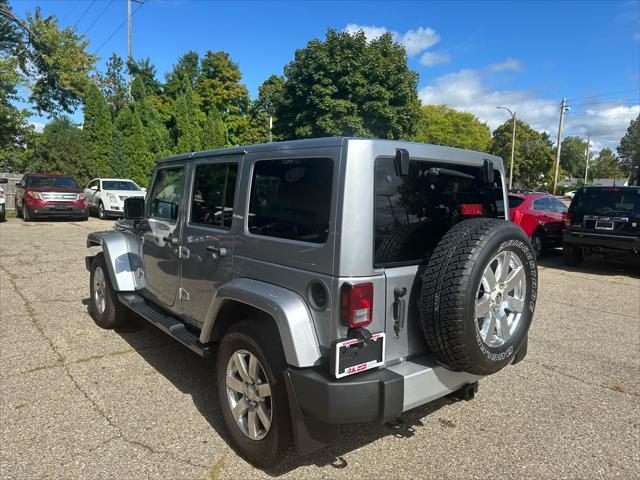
<point x="242" y="298"/>
<point x="121" y="254"/>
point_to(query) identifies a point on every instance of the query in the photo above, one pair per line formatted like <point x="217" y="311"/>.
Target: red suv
<point x="50" y="195"/>
<point x="541" y="216"/>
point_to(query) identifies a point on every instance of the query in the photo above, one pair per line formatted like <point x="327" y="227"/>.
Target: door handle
<point x="217" y="251"/>
<point x="171" y="239"/>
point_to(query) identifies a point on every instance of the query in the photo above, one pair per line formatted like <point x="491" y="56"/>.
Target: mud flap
<point x="309" y="434"/>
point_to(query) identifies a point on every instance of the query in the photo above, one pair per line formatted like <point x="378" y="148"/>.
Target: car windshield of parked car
<point x="66" y="182"/>
<point x="607" y="200"/>
<point x="119" y="185"/>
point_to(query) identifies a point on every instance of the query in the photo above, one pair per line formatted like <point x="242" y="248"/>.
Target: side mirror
<point x="4" y="180"/>
<point x="401" y="162"/>
<point x="487" y="172"/>
<point x="134" y="208"/>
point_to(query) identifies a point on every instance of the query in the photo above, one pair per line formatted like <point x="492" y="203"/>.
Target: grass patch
<point x="10" y="213"/>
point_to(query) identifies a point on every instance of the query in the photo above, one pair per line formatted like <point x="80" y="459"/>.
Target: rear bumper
<point x="378" y="395"/>
<point x="602" y="241"/>
<point x="57" y="211"/>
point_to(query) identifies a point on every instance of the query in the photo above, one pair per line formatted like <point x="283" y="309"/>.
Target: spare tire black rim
<point x="500" y="298"/>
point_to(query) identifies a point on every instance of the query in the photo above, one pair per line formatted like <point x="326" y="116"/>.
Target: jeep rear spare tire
<point x="478" y="295"/>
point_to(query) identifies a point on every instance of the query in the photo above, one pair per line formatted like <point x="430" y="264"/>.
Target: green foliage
<point x="61" y="149"/>
<point x="606" y="165"/>
<point x="214" y="134"/>
<point x="269" y="94"/>
<point x="533" y="162"/>
<point x="573" y="156"/>
<point x="629" y="151"/>
<point x="188" y="121"/>
<point x="145" y="70"/>
<point x="349" y="86"/>
<point x="156" y="133"/>
<point x="114" y="85"/>
<point x="442" y="125"/>
<point x="187" y="68"/>
<point x="132" y="154"/>
<point x="97" y="133"/>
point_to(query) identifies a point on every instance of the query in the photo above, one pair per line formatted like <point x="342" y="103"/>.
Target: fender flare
<point x="289" y="310"/>
<point x="121" y="254"/>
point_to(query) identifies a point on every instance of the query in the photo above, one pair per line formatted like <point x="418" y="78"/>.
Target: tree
<point x="214" y="134"/>
<point x="188" y="120"/>
<point x="132" y="151"/>
<point x="146" y="71"/>
<point x="96" y="132"/>
<point x="218" y="87"/>
<point x="156" y="134"/>
<point x="442" y="125"/>
<point x="534" y="160"/>
<point x="629" y="151"/>
<point x="114" y="86"/>
<point x="61" y="149"/>
<point x="186" y="68"/>
<point x="572" y="156"/>
<point x="269" y="95"/>
<point x="346" y="85"/>
<point x="606" y="165"/>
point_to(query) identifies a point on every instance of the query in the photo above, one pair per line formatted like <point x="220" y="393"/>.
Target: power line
<point x="604" y="94"/>
<point x="98" y="17"/>
<point x="117" y="29"/>
<point x="84" y="13"/>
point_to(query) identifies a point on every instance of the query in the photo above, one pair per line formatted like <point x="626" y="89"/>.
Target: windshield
<point x="607" y="200"/>
<point x="66" y="182"/>
<point x="119" y="185"/>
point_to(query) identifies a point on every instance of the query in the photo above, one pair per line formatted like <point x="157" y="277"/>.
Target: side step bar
<point x="165" y="322"/>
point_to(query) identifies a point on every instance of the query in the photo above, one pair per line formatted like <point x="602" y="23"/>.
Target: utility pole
<point x="563" y="108"/>
<point x="513" y="144"/>
<point x="586" y="155"/>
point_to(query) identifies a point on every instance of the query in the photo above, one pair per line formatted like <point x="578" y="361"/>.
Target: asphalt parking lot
<point x="80" y="402"/>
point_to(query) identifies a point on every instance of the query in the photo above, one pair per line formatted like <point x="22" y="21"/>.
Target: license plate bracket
<point x="350" y="356"/>
<point x="604" y="225"/>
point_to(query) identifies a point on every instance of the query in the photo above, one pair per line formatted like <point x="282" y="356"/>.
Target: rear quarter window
<point x="291" y="199"/>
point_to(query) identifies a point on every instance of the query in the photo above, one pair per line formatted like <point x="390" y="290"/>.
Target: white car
<point x="3" y="210"/>
<point x="106" y="196"/>
<point x="570" y="194"/>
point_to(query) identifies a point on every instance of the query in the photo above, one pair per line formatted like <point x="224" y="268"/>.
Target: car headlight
<point x="81" y="196"/>
<point x="34" y="195"/>
<point x="112" y="197"/>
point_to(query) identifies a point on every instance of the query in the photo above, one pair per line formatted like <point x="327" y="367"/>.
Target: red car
<point x="41" y="195"/>
<point x="541" y="216"/>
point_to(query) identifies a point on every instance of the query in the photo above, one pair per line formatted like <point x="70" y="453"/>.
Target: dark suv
<point x="602" y="220"/>
<point x="50" y="195"/>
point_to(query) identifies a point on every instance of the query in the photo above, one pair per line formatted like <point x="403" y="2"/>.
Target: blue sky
<point x="473" y="56"/>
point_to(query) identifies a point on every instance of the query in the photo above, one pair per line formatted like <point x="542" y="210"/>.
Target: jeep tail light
<point x="471" y="209"/>
<point x="356" y="304"/>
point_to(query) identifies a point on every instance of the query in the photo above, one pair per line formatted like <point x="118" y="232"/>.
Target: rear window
<point x="291" y="199"/>
<point x="66" y="182"/>
<point x="515" y="201"/>
<point x="606" y="200"/>
<point x="412" y="213"/>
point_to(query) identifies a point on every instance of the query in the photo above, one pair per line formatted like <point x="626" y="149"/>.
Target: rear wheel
<point x="478" y="295"/>
<point x="572" y="256"/>
<point x="250" y="377"/>
<point x="104" y="306"/>
<point x="537" y="243"/>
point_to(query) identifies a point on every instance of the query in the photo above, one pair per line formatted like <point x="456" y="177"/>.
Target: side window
<point x="558" y="206"/>
<point x="541" y="205"/>
<point x="291" y="199"/>
<point x="164" y="201"/>
<point x="515" y="202"/>
<point x="214" y="188"/>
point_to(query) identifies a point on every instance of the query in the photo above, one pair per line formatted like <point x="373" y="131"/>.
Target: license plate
<point x="600" y="225"/>
<point x="355" y="356"/>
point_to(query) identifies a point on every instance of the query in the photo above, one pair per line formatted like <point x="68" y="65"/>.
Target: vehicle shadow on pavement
<point x="593" y="264"/>
<point x="195" y="376"/>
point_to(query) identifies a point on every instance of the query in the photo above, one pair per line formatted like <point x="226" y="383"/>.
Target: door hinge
<point x="183" y="295"/>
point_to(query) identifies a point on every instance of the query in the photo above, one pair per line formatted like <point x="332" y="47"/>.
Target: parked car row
<point x="599" y="220"/>
<point x="43" y="195"/>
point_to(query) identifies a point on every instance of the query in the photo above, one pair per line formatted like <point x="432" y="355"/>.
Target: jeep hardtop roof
<point x="416" y="149"/>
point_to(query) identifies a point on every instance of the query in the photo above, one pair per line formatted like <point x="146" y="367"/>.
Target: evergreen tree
<point x="156" y="133"/>
<point x="96" y="132"/>
<point x="629" y="151"/>
<point x="606" y="165"/>
<point x="188" y="120"/>
<point x="214" y="133"/>
<point x="134" y="148"/>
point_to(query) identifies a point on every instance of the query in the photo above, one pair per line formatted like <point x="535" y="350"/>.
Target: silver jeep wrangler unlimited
<point x="340" y="280"/>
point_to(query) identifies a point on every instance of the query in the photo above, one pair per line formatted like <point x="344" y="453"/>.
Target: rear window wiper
<point x="445" y="172"/>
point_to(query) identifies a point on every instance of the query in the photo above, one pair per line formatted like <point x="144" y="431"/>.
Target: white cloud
<point x="508" y="64"/>
<point x="38" y="126"/>
<point x="469" y="90"/>
<point x="414" y="41"/>
<point x="430" y="58"/>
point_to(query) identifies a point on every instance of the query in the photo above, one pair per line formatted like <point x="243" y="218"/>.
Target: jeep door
<point x="208" y="236"/>
<point x="161" y="240"/>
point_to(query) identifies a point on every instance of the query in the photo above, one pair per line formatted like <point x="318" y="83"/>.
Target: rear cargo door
<point x="607" y="210"/>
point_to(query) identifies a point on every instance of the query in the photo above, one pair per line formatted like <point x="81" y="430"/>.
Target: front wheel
<point x="250" y="377"/>
<point x="26" y="214"/>
<point x="104" y="306"/>
<point x="3" y="215"/>
<point x="537" y="243"/>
